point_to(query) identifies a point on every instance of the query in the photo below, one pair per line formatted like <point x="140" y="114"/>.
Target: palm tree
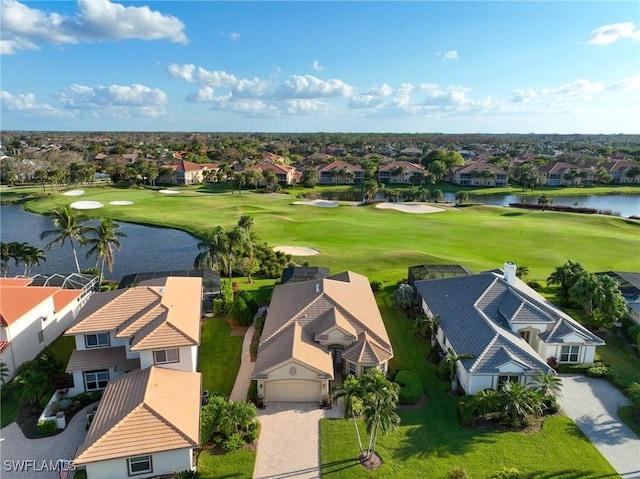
<point x="520" y="402"/>
<point x="380" y="399"/>
<point x="547" y="384"/>
<point x="566" y="275"/>
<point x="246" y="222"/>
<point x="68" y="223"/>
<point x="522" y="271"/>
<point x="105" y="238"/>
<point x="32" y="256"/>
<point x="434" y="324"/>
<point x="462" y="197"/>
<point x="5" y="256"/>
<point x="450" y="365"/>
<point x="487" y="401"/>
<point x="350" y="391"/>
<point x="211" y="247"/>
<point x="238" y="242"/>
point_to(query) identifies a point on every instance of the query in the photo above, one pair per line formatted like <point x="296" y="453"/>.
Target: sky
<point x="237" y="66"/>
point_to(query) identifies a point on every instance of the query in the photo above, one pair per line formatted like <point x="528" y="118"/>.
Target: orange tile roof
<point x="15" y="282"/>
<point x="139" y="414"/>
<point x="16" y="301"/>
<point x="3" y="345"/>
<point x="165" y="314"/>
<point x="64" y="297"/>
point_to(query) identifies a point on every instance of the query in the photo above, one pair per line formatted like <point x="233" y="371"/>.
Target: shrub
<point x="575" y="368"/>
<point x="467" y="409"/>
<point x="508" y="473"/>
<point x="638" y="342"/>
<point x="219" y="306"/>
<point x="253" y="431"/>
<point x="458" y="473"/>
<point x="410" y="387"/>
<point x="249" y="301"/>
<point x="233" y="443"/>
<point x="633" y="331"/>
<point x="376" y="286"/>
<point x="252" y="393"/>
<point x="600" y="371"/>
<point x="240" y="312"/>
<point x="187" y="475"/>
<point x="44" y="428"/>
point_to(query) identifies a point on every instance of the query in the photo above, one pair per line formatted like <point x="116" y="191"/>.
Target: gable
<point x="293" y="369"/>
<point x="511" y="367"/>
<point x="573" y="338"/>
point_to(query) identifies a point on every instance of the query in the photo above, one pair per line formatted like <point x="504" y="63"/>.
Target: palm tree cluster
<point x="514" y="403"/>
<point x="598" y="295"/>
<point x="231" y="422"/>
<point x="375" y="398"/>
<point x="238" y="251"/>
<point x="73" y="226"/>
<point x="23" y="253"/>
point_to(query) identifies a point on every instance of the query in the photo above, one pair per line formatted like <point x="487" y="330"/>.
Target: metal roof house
<point x="508" y="329"/>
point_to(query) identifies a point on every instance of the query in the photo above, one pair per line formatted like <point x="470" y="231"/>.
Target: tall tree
<point x="565" y="276"/>
<point x="103" y="238"/>
<point x="69" y="226"/>
<point x="211" y="247"/>
<point x="351" y="392"/>
<point x="379" y="406"/>
<point x="32" y="256"/>
<point x="450" y="365"/>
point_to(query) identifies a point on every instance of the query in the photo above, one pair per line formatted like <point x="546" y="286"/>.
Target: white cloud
<point x="23" y="102"/>
<point x="182" y="71"/>
<point x="448" y="55"/>
<point x="607" y="34"/>
<point x="316" y="66"/>
<point x="305" y="107"/>
<point x="216" y="79"/>
<point x="114" y="100"/>
<point x="23" y="27"/>
<point x="235" y="36"/>
<point x="625" y="84"/>
<point x="308" y="86"/>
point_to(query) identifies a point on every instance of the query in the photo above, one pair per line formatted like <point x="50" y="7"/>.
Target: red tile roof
<point x="63" y="297"/>
<point x="16" y="301"/>
<point x="336" y="165"/>
<point x="15" y="282"/>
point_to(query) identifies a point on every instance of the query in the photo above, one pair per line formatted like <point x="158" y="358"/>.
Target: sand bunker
<point x="169" y="192"/>
<point x="321" y="203"/>
<point x="73" y="193"/>
<point x="86" y="205"/>
<point x="296" y="250"/>
<point x="121" y="203"/>
<point x="410" y="207"/>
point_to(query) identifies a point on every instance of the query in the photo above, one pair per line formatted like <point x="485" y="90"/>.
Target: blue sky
<point x="451" y="67"/>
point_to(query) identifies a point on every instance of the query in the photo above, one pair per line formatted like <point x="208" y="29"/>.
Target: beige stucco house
<point x="316" y="331"/>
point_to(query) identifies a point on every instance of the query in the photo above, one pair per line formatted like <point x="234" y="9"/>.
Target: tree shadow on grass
<point x="568" y="474"/>
<point x="513" y="214"/>
<point x="337" y="466"/>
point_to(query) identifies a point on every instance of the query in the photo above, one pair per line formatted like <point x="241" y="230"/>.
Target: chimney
<point x="510" y="272"/>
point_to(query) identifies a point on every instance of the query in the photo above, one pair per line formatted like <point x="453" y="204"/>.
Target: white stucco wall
<point x="187" y="359"/>
<point x="163" y="463"/>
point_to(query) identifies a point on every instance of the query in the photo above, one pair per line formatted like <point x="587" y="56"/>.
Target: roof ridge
<point x="483" y="353"/>
<point x="293" y="318"/>
<point x="139" y="314"/>
<point x="160" y="417"/>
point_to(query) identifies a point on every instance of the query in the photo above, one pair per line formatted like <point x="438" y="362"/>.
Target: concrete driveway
<point x="16" y="450"/>
<point x="593" y="403"/>
<point x="289" y="444"/>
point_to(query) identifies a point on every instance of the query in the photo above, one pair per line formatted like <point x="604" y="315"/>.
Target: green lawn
<point x="218" y="356"/>
<point x="431" y="441"/>
<point x="623" y="360"/>
<point x="383" y="243"/>
<point x="626" y="415"/>
<point x="233" y="465"/>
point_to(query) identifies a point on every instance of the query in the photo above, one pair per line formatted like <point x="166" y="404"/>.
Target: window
<point x="96" y="340"/>
<point x="96" y="380"/>
<point x="162" y="356"/>
<point x="41" y="337"/>
<point x="505" y="379"/>
<point x="569" y="354"/>
<point x="352" y="368"/>
<point x="526" y="335"/>
<point x="139" y="465"/>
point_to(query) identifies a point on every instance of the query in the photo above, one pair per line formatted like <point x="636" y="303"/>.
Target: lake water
<point x="626" y="205"/>
<point x="144" y="249"/>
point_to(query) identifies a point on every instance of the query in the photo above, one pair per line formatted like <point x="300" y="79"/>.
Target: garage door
<point x="292" y="391"/>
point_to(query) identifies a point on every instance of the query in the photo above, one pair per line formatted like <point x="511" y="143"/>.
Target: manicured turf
<point x="62" y="348"/>
<point x="236" y="465"/>
<point x="431" y="441"/>
<point x="626" y="415"/>
<point x="383" y="243"/>
<point x="622" y="359"/>
<point x="218" y="356"/>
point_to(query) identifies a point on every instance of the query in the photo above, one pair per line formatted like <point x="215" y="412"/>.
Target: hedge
<point x="410" y="387"/>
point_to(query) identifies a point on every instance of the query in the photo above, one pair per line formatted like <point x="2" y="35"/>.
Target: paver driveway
<point x="593" y="403"/>
<point x="289" y="444"/>
<point x="15" y="447"/>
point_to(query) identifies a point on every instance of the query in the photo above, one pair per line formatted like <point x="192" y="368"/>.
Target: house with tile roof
<point x="340" y="173"/>
<point x="147" y="425"/>
<point x="286" y="174"/>
<point x="140" y="345"/>
<point x="508" y="329"/>
<point x="185" y="172"/>
<point x="618" y="170"/>
<point x="156" y="323"/>
<point x="316" y="331"/>
<point x="478" y="173"/>
<point x="561" y="173"/>
<point x="32" y="317"/>
<point x="399" y="172"/>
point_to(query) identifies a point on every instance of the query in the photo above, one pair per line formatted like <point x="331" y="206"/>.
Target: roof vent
<point x="317" y="287"/>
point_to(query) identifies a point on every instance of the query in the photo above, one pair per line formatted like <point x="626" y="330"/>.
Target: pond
<point x="625" y="205"/>
<point x="145" y="248"/>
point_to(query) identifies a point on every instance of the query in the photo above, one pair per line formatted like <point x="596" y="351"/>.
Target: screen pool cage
<point x="436" y="271"/>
